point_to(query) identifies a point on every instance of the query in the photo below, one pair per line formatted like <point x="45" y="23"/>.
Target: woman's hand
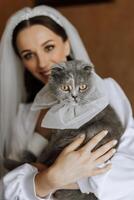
<point x="72" y="165"/>
<point x="39" y="166"/>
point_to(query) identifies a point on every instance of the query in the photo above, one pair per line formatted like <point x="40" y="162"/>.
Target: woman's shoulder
<point x="118" y="100"/>
<point x="112" y="84"/>
<point x="114" y="89"/>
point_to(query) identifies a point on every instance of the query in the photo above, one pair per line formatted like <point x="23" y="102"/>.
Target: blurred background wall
<point x="7" y="7"/>
<point x="107" y="30"/>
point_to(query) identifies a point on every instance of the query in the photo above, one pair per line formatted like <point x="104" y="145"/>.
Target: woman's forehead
<point x="37" y="31"/>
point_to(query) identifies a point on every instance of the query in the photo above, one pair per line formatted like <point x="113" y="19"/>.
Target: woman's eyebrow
<point x="23" y="51"/>
<point x="44" y="43"/>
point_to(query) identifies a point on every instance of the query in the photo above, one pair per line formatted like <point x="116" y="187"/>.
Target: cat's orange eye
<point x="83" y="87"/>
<point x="66" y="87"/>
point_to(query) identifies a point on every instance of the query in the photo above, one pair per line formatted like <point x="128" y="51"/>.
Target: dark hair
<point x="32" y="84"/>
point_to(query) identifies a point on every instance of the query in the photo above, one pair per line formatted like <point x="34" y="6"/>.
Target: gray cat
<point x="74" y="77"/>
<point x="64" y="83"/>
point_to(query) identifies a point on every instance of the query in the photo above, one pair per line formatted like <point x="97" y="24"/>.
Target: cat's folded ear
<point x="87" y="68"/>
<point x="56" y="70"/>
<point x="82" y="65"/>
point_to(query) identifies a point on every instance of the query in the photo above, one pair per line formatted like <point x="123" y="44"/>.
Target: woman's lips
<point x="46" y="73"/>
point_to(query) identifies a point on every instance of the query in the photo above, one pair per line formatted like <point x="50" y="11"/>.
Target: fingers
<point x="103" y="149"/>
<point x="75" y="144"/>
<point x="94" y="141"/>
<point x="105" y="157"/>
<point x="40" y="166"/>
<point x="102" y="170"/>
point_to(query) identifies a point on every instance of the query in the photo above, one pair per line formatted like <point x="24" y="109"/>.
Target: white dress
<point x="116" y="184"/>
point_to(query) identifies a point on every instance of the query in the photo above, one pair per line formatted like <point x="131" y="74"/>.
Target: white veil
<point x="12" y="90"/>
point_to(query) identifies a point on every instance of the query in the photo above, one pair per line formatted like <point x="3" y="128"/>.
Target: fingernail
<point x="82" y="136"/>
<point x="113" y="150"/>
<point x="115" y="142"/>
<point x="105" y="132"/>
<point x="109" y="165"/>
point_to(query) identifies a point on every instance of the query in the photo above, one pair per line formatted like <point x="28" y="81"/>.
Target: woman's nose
<point x="42" y="62"/>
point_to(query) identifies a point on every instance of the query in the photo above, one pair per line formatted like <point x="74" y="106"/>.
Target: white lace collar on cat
<point x="66" y="115"/>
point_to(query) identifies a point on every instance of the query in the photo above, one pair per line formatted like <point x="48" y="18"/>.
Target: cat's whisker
<point x="83" y="100"/>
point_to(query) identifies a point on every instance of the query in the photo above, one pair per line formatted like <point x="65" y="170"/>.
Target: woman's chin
<point x="44" y="79"/>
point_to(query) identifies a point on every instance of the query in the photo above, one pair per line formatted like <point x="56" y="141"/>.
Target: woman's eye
<point x="65" y="87"/>
<point x="28" y="56"/>
<point x="83" y="87"/>
<point x="49" y="48"/>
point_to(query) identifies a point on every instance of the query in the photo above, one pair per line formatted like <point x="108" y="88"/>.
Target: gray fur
<point x="74" y="73"/>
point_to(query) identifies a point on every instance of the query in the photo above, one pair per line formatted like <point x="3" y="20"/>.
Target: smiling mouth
<point x="46" y="73"/>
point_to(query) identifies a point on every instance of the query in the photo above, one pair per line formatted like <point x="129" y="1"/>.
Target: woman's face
<point x="39" y="49"/>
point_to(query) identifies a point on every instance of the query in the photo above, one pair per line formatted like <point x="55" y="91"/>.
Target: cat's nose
<point x="74" y="96"/>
